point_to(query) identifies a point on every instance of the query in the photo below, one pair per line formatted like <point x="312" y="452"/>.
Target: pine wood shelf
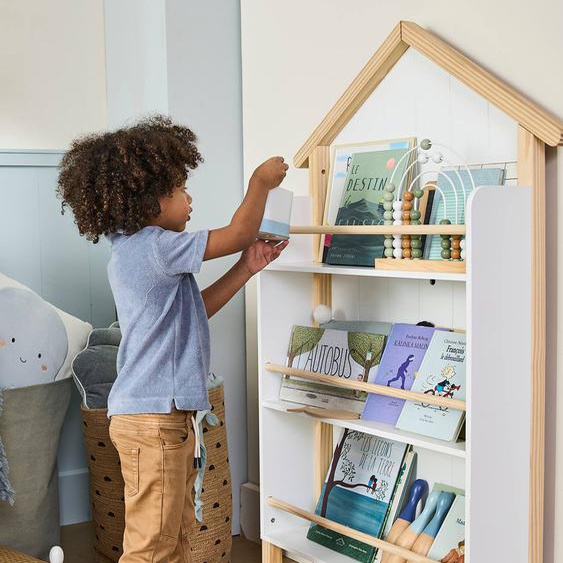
<point x="378" y="230"/>
<point x="455" y="404"/>
<point x="406" y="554"/>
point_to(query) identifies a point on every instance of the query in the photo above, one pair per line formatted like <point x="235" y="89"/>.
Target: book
<point x="451" y="536"/>
<point x="444" y="200"/>
<point x="442" y="373"/>
<point x="341" y="158"/>
<point x="403" y="354"/>
<point x="362" y="204"/>
<point x="346" y="355"/>
<point x="357" y="491"/>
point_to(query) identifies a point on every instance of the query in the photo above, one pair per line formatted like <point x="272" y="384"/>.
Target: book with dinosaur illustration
<point x="358" y="490"/>
<point x="342" y="355"/>
<point x="441" y="374"/>
<point x="403" y="354"/>
<point x="362" y="204"/>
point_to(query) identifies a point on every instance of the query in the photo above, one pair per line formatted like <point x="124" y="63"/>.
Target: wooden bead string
<point x="388" y="198"/>
<point x="407" y="208"/>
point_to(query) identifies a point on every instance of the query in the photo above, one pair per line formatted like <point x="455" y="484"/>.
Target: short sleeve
<point x="180" y="253"/>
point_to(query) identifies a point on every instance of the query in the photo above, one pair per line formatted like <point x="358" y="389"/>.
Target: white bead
<point x="397" y="243"/>
<point x="462" y="243"/>
<point x="423" y="158"/>
<point x="462" y="254"/>
<point x="397" y="204"/>
<point x="397" y="215"/>
<point x="56" y="555"/>
<point x="397" y="253"/>
<point x="437" y="157"/>
<point x="322" y="314"/>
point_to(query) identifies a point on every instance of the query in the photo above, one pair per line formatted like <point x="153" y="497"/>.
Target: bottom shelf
<point x="295" y="539"/>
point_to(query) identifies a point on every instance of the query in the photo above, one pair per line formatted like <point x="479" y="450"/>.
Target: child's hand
<point x="260" y="254"/>
<point x="270" y="173"/>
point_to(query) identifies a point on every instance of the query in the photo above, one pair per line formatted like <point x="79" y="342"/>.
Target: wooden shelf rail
<point x="406" y="554"/>
<point x="455" y="404"/>
<point x="377" y="230"/>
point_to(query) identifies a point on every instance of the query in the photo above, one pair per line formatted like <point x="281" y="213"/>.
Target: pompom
<point x="322" y="314"/>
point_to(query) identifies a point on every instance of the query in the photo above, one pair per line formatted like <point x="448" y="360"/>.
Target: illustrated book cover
<point x="442" y="374"/>
<point x="403" y="354"/>
<point x="357" y="491"/>
<point x="342" y="355"/>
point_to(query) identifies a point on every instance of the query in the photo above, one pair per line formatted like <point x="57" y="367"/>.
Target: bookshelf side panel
<point x="499" y="365"/>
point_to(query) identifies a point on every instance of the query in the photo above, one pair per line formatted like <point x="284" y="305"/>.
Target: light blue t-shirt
<point x="163" y="358"/>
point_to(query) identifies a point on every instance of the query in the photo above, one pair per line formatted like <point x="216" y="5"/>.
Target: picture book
<point x="358" y="491"/>
<point x="451" y="184"/>
<point x="362" y="204"/>
<point x="442" y="374"/>
<point x="342" y="355"/>
<point x="403" y="354"/>
<point x="341" y="159"/>
<point x="450" y="540"/>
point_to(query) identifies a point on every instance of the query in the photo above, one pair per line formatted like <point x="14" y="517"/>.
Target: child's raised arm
<point x="242" y="230"/>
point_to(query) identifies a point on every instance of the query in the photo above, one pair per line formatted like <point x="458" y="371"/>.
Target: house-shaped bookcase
<point x="503" y="297"/>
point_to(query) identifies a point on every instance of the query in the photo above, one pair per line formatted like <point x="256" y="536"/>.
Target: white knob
<point x="322" y="314"/>
<point x="56" y="555"/>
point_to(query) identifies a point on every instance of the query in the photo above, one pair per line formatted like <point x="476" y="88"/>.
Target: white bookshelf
<point x="494" y="293"/>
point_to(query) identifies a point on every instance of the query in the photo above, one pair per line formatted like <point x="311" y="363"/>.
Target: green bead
<point x="390" y="188"/>
<point x="446" y="254"/>
<point x="416" y="253"/>
<point x="388" y="243"/>
<point x="388" y="253"/>
<point x="388" y="205"/>
<point x="418" y="193"/>
<point x="425" y="144"/>
<point x="445" y="222"/>
<point x="415" y="222"/>
<point x="387" y="222"/>
<point x="416" y="244"/>
<point x="445" y="237"/>
<point x="388" y="215"/>
<point x="387" y="196"/>
<point x="416" y="237"/>
<point x="446" y="244"/>
<point x="415" y="215"/>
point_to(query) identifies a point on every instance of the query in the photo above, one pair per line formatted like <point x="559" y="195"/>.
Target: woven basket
<point x="211" y="539"/>
<point x="10" y="556"/>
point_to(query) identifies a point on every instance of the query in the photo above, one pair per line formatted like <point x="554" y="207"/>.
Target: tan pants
<point x="156" y="453"/>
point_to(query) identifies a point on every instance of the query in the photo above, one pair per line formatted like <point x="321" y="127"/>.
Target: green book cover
<point x="362" y="204"/>
<point x="358" y="491"/>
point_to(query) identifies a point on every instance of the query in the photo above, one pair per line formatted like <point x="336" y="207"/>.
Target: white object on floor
<point x="56" y="555"/>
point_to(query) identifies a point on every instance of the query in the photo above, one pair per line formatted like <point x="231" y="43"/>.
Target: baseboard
<point x="74" y="496"/>
<point x="250" y="512"/>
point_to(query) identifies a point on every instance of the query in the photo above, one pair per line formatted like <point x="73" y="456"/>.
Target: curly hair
<point x="112" y="181"/>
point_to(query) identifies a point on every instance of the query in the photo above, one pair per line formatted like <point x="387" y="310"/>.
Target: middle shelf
<point x="456" y="449"/>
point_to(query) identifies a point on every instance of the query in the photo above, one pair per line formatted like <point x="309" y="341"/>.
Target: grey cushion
<point x="94" y="369"/>
<point x="30" y="427"/>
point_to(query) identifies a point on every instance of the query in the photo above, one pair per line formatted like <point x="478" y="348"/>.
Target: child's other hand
<point x="270" y="173"/>
<point x="260" y="254"/>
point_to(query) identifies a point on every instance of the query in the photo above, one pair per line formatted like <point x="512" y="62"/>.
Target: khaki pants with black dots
<point x="156" y="452"/>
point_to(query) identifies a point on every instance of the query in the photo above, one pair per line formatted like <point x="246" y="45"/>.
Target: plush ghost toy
<point x="33" y="339"/>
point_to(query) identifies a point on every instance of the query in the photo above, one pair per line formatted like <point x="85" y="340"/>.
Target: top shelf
<point x="320" y="268"/>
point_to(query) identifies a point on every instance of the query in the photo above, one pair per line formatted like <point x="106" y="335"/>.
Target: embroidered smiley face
<point x="33" y="339"/>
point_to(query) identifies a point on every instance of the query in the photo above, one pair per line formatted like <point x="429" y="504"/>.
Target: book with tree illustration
<point x="342" y="355"/>
<point x="358" y="491"/>
<point x="442" y="374"/>
<point x="400" y="361"/>
<point x="362" y="204"/>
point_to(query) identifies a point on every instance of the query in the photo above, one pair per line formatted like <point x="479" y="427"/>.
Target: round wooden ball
<point x="405" y="243"/>
<point x="456" y="243"/>
<point x="407" y="205"/>
<point x="445" y="243"/>
<point x="456" y="254"/>
<point x="418" y="193"/>
<point x="397" y="253"/>
<point x="407" y="253"/>
<point x="416" y="253"/>
<point x="406" y="215"/>
<point x="415" y="214"/>
<point x="446" y="254"/>
<point x="388" y="253"/>
<point x="408" y="196"/>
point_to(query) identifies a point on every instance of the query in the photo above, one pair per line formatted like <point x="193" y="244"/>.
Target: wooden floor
<point x="77" y="541"/>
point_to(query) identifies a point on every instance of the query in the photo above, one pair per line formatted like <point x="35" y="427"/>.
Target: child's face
<point x="175" y="210"/>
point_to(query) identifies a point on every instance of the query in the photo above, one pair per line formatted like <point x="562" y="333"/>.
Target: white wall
<point x="299" y="57"/>
<point x="52" y="72"/>
<point x="204" y="85"/>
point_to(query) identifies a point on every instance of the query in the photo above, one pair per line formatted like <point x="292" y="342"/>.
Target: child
<point x="130" y="186"/>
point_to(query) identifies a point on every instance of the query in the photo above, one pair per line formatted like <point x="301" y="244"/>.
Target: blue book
<point x="403" y="354"/>
<point x="358" y="491"/>
<point x="442" y="374"/>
